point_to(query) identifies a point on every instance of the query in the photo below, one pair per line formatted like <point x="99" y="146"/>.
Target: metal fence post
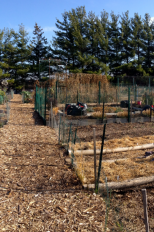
<point x="135" y="92"/>
<point x="59" y="129"/>
<point x="128" y="104"/>
<point x="99" y="93"/>
<point x="56" y="88"/>
<point x="100" y="159"/>
<point x="118" y="88"/>
<point x="35" y="97"/>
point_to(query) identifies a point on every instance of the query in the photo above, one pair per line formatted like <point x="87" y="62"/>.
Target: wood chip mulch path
<point x="38" y="192"/>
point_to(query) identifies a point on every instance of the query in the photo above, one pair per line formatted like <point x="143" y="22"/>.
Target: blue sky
<point x="45" y="12"/>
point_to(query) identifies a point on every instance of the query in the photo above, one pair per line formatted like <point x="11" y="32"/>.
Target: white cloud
<point x="45" y="29"/>
<point x="29" y="29"/>
<point x="48" y="29"/>
<point x="151" y="20"/>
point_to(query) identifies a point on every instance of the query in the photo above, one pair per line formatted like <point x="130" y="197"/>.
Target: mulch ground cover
<point x="115" y="131"/>
<point x="38" y="192"/>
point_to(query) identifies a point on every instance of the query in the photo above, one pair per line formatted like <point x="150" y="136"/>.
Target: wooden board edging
<point x="119" y="149"/>
<point x="120" y="185"/>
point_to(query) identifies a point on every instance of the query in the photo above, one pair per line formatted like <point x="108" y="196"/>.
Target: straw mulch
<point x="38" y="192"/>
<point x="126" y="165"/>
<point x="126" y="141"/>
<point x="123" y="169"/>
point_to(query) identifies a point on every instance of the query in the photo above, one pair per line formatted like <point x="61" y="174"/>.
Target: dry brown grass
<point x="107" y="109"/>
<point x="122" y="114"/>
<point x="55" y="110"/>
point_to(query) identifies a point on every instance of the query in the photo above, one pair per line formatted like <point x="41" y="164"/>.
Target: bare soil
<point x="115" y="131"/>
<point x="38" y="192"/>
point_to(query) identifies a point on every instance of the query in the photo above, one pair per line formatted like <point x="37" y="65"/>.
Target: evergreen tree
<point x="23" y="52"/>
<point x="2" y="75"/>
<point x="114" y="44"/>
<point x="104" y="42"/>
<point x="148" y="48"/>
<point x="138" y="45"/>
<point x="63" y="43"/>
<point x="79" y="24"/>
<point x="8" y="51"/>
<point x="97" y="40"/>
<point x="39" y="51"/>
<point x="127" y="50"/>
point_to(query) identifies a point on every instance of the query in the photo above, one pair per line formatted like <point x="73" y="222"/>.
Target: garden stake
<point x="56" y="88"/>
<point x="75" y="136"/>
<point x="94" y="156"/>
<point x="145" y="209"/>
<point x="69" y="135"/>
<point x="128" y="104"/>
<point x="99" y="94"/>
<point x="118" y="88"/>
<point x="51" y="116"/>
<point x="100" y="159"/>
<point x="131" y="111"/>
<point x="116" y="95"/>
<point x="150" y="114"/>
<point x="77" y="97"/>
<point x="135" y="92"/>
<point x="149" y="85"/>
<point x="103" y="113"/>
<point x="63" y="130"/>
<point x="59" y="129"/>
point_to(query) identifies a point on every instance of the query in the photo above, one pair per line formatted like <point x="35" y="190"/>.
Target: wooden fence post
<point x="145" y="209"/>
<point x="51" y="116"/>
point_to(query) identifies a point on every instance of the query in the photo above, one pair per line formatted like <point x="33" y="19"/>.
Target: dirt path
<point x="38" y="192"/>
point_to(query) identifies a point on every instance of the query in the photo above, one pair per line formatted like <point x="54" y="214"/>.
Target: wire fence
<point x="5" y="108"/>
<point x="91" y="169"/>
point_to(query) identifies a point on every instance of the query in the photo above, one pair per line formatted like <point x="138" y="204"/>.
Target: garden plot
<point x="120" y="162"/>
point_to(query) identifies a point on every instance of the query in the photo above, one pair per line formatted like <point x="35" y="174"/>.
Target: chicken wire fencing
<point x="61" y="93"/>
<point x="40" y="102"/>
<point x="5" y="108"/>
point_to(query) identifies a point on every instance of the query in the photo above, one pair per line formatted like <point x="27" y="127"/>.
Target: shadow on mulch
<point x="38" y="119"/>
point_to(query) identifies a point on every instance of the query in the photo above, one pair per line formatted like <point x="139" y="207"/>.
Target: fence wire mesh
<point x="68" y="135"/>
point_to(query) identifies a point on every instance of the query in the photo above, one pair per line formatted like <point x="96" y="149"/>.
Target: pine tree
<point x="8" y="51"/>
<point x="63" y="42"/>
<point x="79" y="24"/>
<point x="114" y="44"/>
<point x="148" y="48"/>
<point x="39" y="51"/>
<point x="2" y="75"/>
<point x="23" y="52"/>
<point x="137" y="42"/>
<point x="96" y="37"/>
<point x="104" y="42"/>
<point x="127" y="50"/>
